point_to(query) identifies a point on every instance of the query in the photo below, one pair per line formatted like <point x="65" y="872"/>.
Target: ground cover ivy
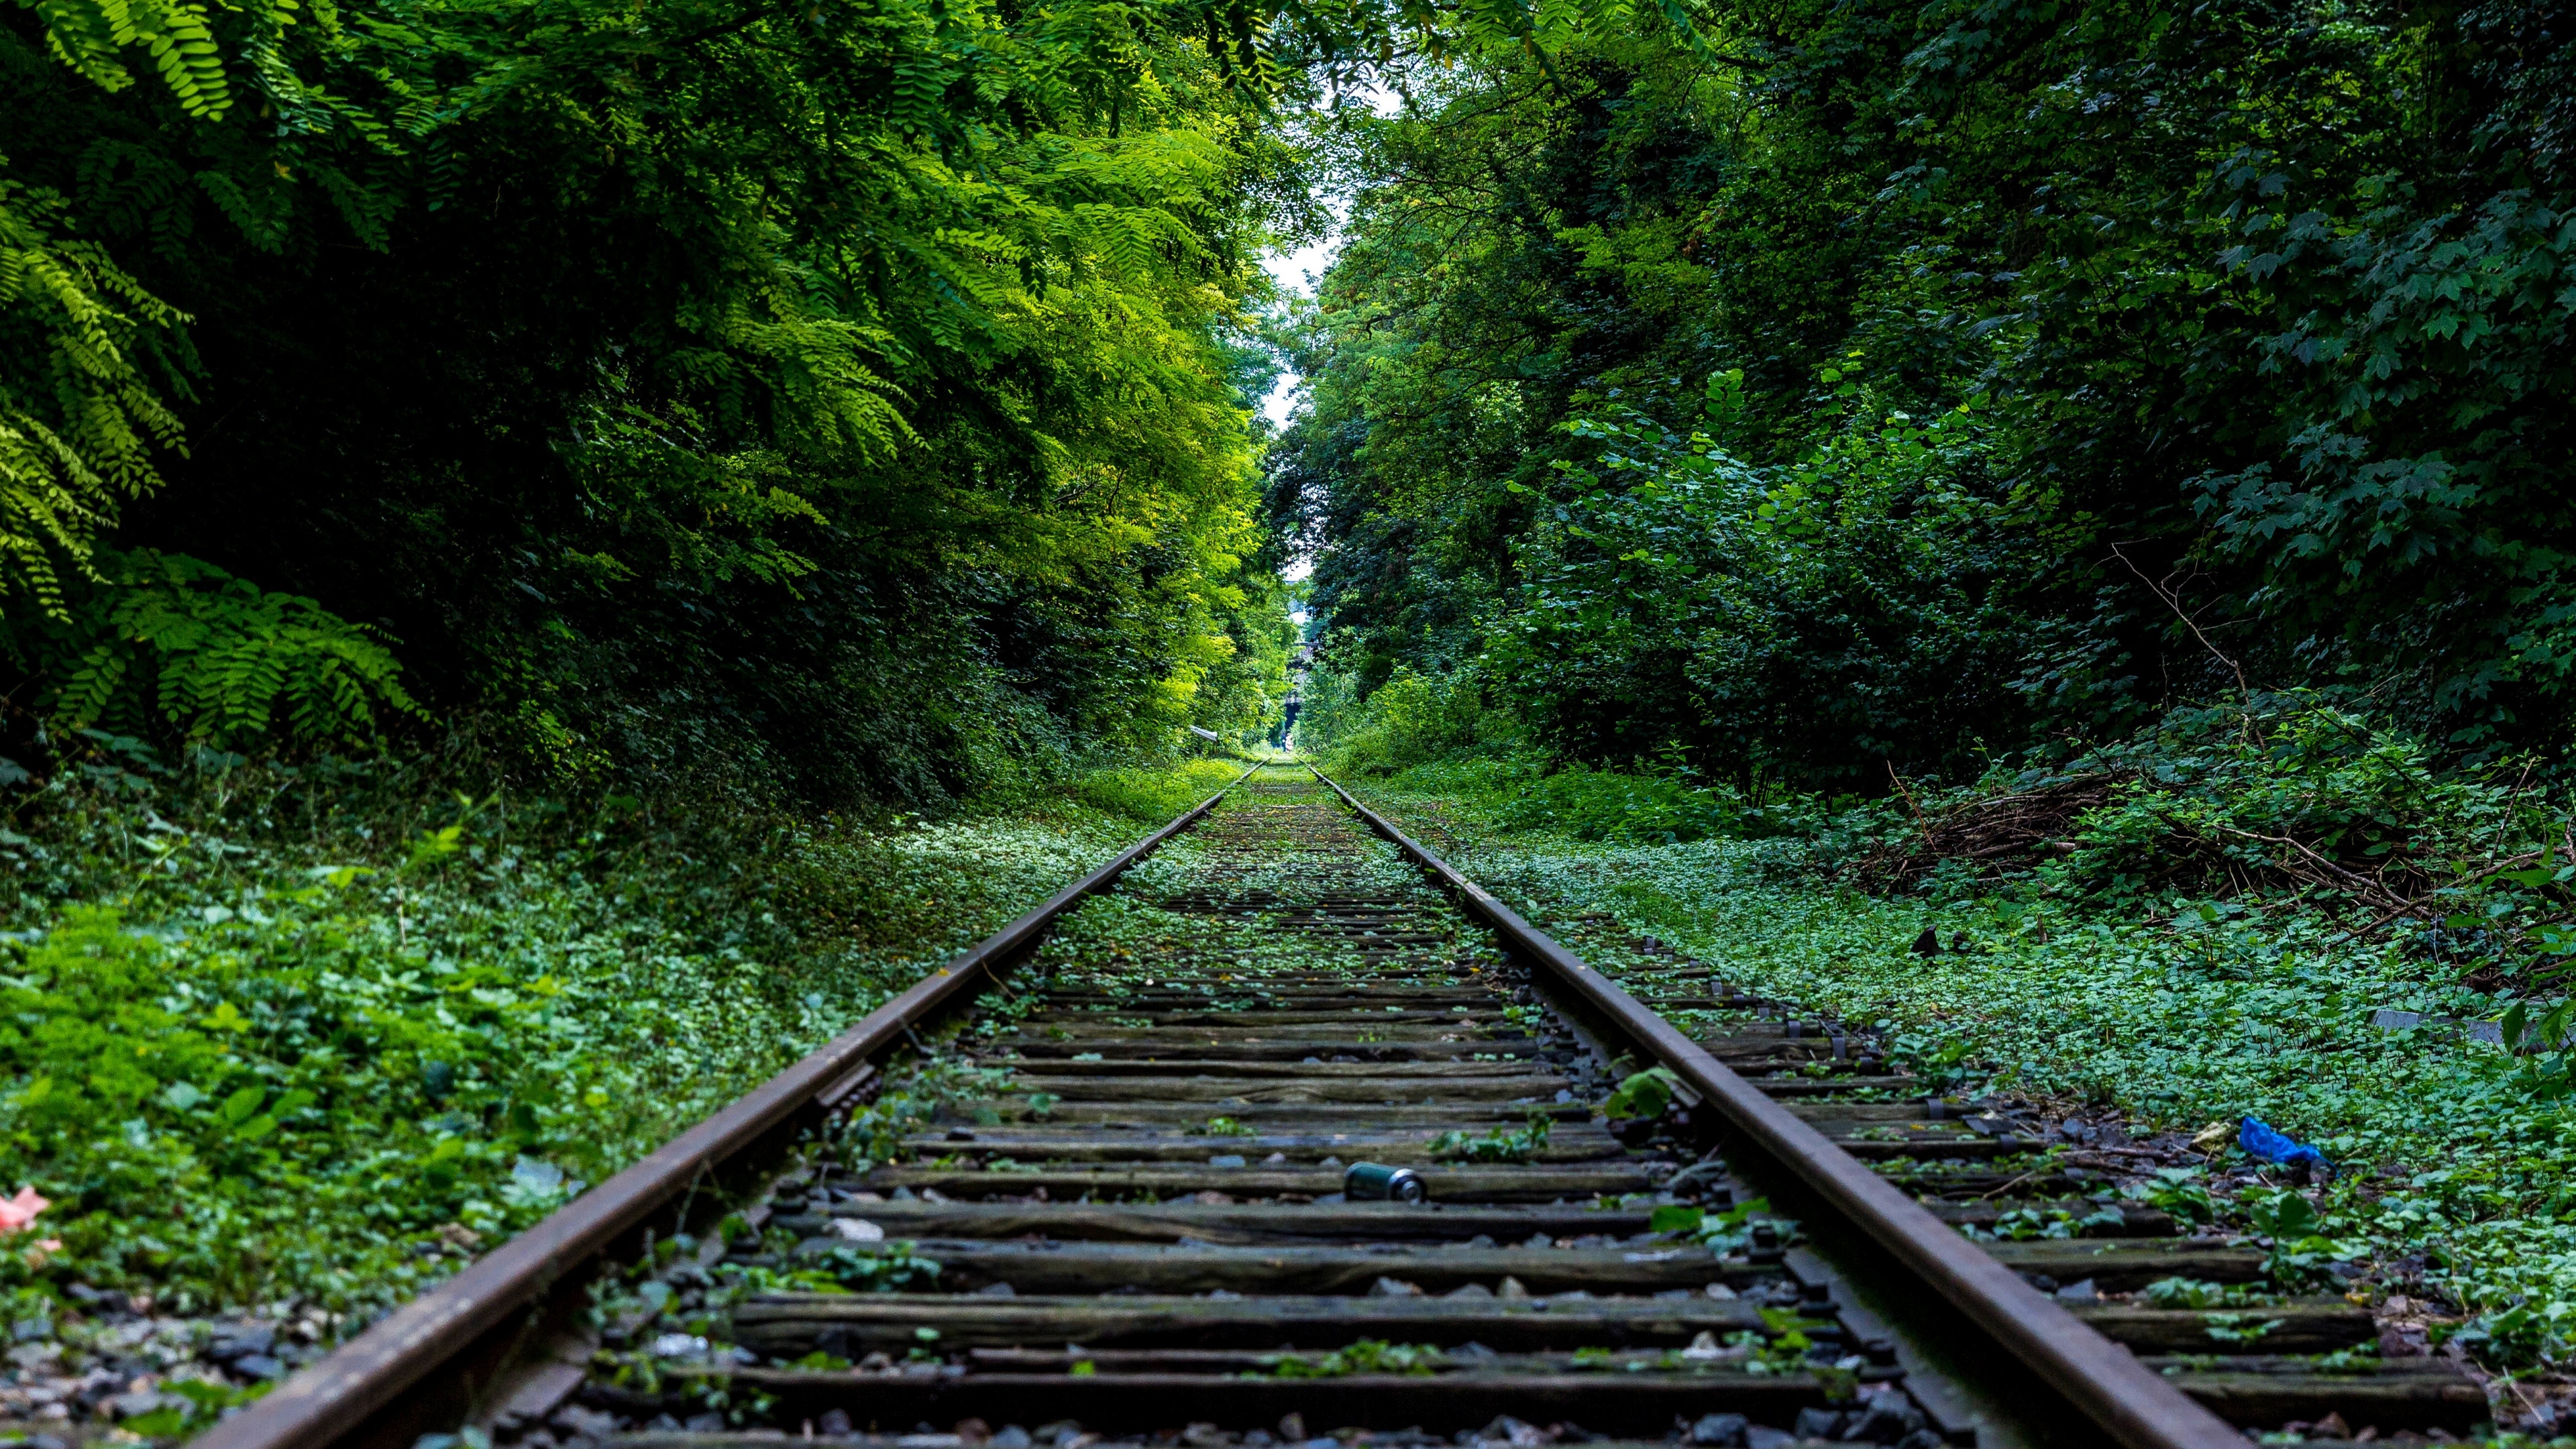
<point x="316" y="1035"/>
<point x="2459" y="1163"/>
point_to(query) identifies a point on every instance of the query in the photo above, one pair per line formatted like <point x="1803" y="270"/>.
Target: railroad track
<point x="1130" y="1172"/>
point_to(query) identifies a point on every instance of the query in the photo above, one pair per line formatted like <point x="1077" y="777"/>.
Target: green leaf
<point x="1675" y="1218"/>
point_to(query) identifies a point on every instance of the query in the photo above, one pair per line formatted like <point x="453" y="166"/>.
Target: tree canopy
<point x="1833" y="387"/>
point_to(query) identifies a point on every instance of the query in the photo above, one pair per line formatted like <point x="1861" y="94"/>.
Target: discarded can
<point x="1369" y="1182"/>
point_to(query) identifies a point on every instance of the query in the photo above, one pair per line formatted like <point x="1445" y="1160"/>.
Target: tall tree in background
<point x="2091" y="356"/>
<point x="829" y="394"/>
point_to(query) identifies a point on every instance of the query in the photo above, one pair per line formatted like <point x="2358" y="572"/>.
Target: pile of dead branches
<point x="1994" y="834"/>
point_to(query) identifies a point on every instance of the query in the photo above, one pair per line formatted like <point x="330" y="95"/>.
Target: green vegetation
<point x="1367" y="1356"/>
<point x="282" y="1033"/>
<point x="1902" y="381"/>
<point x="1500" y="1144"/>
<point x="2084" y="481"/>
<point x="2192" y="927"/>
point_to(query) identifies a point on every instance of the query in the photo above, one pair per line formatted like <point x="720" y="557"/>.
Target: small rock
<point x="1292" y="1428"/>
<point x="972" y="1431"/>
<point x="1472" y="1290"/>
<point x="1510" y="1288"/>
<point x="1724" y="1430"/>
<point x="1820" y="1423"/>
<point x="1719" y="1291"/>
<point x="997" y="1290"/>
<point x="579" y="1421"/>
<point x="2080" y="1292"/>
<point x="1882" y="1419"/>
<point x="857" y="1230"/>
<point x="138" y="1403"/>
<point x="238" y="1341"/>
<point x="258" y="1366"/>
<point x="1012" y="1437"/>
<point x="833" y="1422"/>
<point x="709" y="1423"/>
<point x="1276" y="1159"/>
<point x="1763" y="1436"/>
<point x="1394" y="1288"/>
<point x="1539" y="1240"/>
<point x="1508" y="1430"/>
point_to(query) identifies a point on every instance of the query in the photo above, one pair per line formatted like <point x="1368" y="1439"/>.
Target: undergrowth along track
<point x="1088" y="1185"/>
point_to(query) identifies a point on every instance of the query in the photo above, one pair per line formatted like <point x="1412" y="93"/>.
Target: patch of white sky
<point x="1299" y="271"/>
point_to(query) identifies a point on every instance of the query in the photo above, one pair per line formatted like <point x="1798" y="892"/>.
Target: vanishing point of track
<point x="1137" y="1190"/>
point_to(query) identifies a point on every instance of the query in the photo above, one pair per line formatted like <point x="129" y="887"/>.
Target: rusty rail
<point x="2128" y="1401"/>
<point x="335" y="1401"/>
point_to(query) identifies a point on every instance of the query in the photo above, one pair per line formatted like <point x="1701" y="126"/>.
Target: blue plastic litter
<point x="2259" y="1139"/>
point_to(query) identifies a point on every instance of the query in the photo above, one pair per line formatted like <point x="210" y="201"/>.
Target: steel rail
<point x="2131" y="1403"/>
<point x="329" y="1401"/>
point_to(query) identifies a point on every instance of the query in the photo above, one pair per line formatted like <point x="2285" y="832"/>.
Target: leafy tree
<point x="2259" y="310"/>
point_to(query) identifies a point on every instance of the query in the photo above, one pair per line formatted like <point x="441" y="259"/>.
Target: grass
<point x="2182" y="1011"/>
<point x="281" y="1038"/>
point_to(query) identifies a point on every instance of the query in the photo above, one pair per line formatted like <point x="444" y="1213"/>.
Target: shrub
<point x="1414" y="719"/>
<point x="167" y="643"/>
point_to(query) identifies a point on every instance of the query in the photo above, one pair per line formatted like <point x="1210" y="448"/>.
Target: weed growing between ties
<point x="290" y="1035"/>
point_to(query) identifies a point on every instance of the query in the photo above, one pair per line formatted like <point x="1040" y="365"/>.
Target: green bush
<point x="1154" y="794"/>
<point x="1593" y="804"/>
<point x="166" y="643"/>
<point x="2277" y="800"/>
<point x="1414" y="719"/>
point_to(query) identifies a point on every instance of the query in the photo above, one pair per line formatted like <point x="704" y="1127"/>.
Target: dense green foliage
<point x="843" y="402"/>
<point x="837" y="403"/>
<point x="2092" y="358"/>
